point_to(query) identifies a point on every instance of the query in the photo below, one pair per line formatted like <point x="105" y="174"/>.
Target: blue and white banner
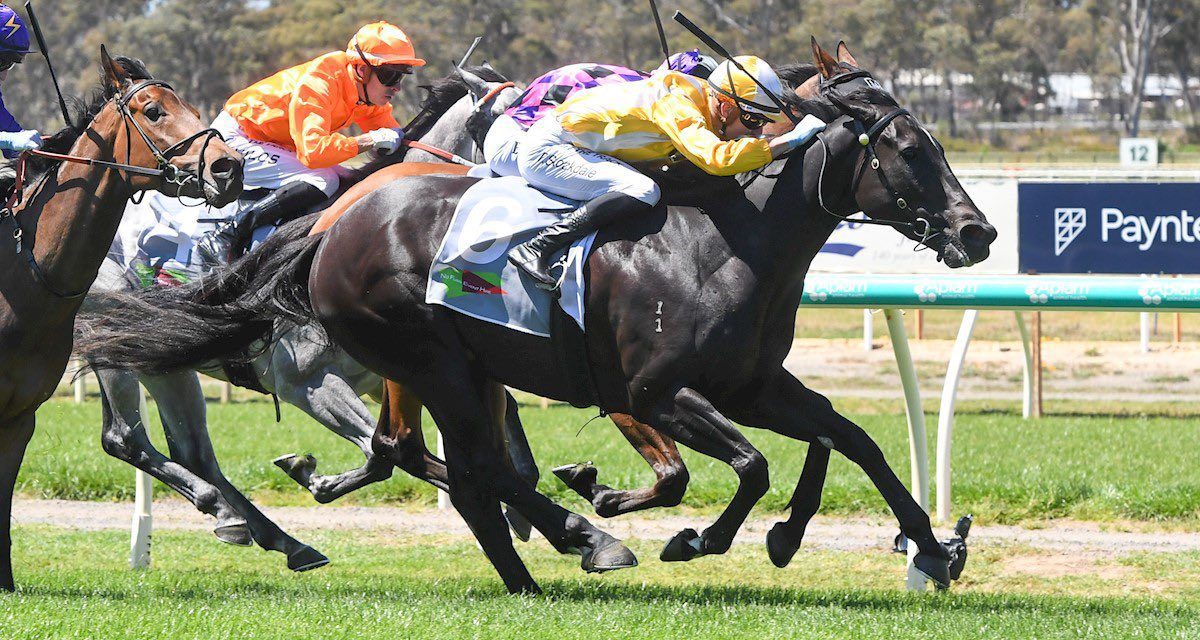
<point x="1110" y="227"/>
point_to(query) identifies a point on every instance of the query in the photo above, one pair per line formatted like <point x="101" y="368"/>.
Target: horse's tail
<point x="218" y="317"/>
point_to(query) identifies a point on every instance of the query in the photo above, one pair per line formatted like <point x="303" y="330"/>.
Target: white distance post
<point x="1027" y="346"/>
<point x="143" y="521"/>
<point x="1145" y="318"/>
<point x="868" y="330"/>
<point x="946" y="412"/>
<point x="918" y="447"/>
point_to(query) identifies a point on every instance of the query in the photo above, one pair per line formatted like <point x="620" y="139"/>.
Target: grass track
<point x="75" y="584"/>
<point x="1006" y="470"/>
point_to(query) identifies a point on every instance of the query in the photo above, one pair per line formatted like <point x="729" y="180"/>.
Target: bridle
<point x="163" y="169"/>
<point x="867" y="138"/>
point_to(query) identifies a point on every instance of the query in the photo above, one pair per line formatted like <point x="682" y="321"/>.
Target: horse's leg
<point x="520" y="457"/>
<point x="398" y="437"/>
<point x="124" y="437"/>
<point x="690" y="419"/>
<point x="308" y="375"/>
<point x="14" y="437"/>
<point x="786" y="406"/>
<point x="784" y="538"/>
<point x="657" y="450"/>
<point x="181" y="407"/>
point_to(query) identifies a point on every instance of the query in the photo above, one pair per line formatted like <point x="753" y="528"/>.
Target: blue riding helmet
<point x="14" y="36"/>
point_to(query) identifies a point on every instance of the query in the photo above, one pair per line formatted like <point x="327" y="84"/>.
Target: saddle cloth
<point x="155" y="241"/>
<point x="471" y="273"/>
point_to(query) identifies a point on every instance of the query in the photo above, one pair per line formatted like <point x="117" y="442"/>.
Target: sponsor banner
<point x="1003" y="292"/>
<point x="859" y="248"/>
<point x="1110" y="227"/>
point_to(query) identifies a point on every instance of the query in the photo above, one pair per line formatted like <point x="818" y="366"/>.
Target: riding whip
<point x="662" y="36"/>
<point x="470" y="50"/>
<point x="724" y="53"/>
<point x="41" y="40"/>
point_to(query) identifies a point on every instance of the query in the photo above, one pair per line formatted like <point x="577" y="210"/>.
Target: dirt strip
<point x="1086" y="538"/>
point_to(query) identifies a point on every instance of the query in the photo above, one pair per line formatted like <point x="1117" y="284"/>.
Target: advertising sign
<point x="1110" y="227"/>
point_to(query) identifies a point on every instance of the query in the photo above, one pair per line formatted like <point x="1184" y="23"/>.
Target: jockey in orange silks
<point x="288" y="128"/>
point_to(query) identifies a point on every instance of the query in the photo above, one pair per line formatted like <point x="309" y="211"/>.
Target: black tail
<point x="218" y="317"/>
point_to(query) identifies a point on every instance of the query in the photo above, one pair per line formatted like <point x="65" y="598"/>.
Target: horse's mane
<point x="441" y="95"/>
<point x="82" y="114"/>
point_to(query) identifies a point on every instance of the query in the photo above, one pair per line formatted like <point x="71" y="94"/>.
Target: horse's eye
<point x="908" y="153"/>
<point x="153" y="112"/>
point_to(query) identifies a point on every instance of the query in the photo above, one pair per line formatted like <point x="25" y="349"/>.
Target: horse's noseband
<point x="164" y="169"/>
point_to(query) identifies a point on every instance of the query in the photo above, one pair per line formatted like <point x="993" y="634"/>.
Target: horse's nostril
<point x="223" y="168"/>
<point x="977" y="234"/>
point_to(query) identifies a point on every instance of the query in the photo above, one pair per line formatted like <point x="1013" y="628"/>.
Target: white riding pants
<point x="548" y="159"/>
<point x="270" y="166"/>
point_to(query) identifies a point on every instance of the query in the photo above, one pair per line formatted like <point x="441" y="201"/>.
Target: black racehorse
<point x="689" y="316"/>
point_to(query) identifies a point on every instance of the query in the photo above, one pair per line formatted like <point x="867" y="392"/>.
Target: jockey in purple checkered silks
<point x="552" y="89"/>
<point x="14" y="46"/>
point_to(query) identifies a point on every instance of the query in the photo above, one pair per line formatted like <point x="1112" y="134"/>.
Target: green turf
<point x="75" y="584"/>
<point x="1005" y="469"/>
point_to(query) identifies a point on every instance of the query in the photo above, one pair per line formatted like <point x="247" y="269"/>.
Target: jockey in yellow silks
<point x="288" y="127"/>
<point x="582" y="149"/>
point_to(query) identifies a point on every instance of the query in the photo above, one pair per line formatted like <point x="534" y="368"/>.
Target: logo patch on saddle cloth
<point x="471" y="273"/>
<point x="461" y="283"/>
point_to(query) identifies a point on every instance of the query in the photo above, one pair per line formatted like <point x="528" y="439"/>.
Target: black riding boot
<point x="533" y="257"/>
<point x="231" y="238"/>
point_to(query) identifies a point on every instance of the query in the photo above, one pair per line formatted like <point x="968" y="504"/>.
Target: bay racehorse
<point x="60" y="232"/>
<point x="297" y="363"/>
<point x="690" y="313"/>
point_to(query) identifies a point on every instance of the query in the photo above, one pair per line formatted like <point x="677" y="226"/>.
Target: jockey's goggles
<point x="5" y="65"/>
<point x="389" y="75"/>
<point x="752" y="120"/>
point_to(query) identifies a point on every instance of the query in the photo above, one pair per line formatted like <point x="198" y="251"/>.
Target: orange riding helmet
<point x="381" y="44"/>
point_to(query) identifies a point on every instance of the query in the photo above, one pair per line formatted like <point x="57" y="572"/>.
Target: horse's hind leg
<point x="784" y="538"/>
<point x="14" y="437"/>
<point x="690" y="419"/>
<point x="399" y="439"/>
<point x="658" y="450"/>
<point x="786" y="406"/>
<point x="181" y="406"/>
<point x="124" y="437"/>
<point x="320" y="379"/>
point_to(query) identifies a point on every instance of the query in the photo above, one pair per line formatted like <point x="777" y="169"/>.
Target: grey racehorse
<point x="299" y="367"/>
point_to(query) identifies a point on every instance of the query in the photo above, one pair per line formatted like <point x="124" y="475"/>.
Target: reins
<point x="164" y="169"/>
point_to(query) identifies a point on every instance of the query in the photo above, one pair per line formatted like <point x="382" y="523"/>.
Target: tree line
<point x="209" y="49"/>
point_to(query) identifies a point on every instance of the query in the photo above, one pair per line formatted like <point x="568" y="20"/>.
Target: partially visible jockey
<point x="552" y="89"/>
<point x="582" y="149"/>
<point x="287" y="127"/>
<point x="14" y="46"/>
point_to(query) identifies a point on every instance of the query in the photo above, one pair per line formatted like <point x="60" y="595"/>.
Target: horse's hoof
<point x="306" y="558"/>
<point x="681" y="548"/>
<point x="237" y="534"/>
<point x="935" y="568"/>
<point x="296" y="465"/>
<point x="579" y="477"/>
<point x="610" y="556"/>
<point x="520" y="526"/>
<point x="779" y="547"/>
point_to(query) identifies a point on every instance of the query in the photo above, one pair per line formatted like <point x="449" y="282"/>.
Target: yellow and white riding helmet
<point x="733" y="84"/>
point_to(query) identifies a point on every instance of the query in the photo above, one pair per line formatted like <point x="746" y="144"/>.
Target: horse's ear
<point x="825" y="62"/>
<point x="476" y="85"/>
<point x="115" y="76"/>
<point x="487" y="65"/>
<point x="844" y="55"/>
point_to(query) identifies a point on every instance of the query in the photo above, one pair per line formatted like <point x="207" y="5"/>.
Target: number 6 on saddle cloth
<point x="471" y="273"/>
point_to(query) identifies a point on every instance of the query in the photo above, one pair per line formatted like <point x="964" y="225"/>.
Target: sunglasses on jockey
<point x="389" y="75"/>
<point x="752" y="120"/>
<point x="9" y="60"/>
